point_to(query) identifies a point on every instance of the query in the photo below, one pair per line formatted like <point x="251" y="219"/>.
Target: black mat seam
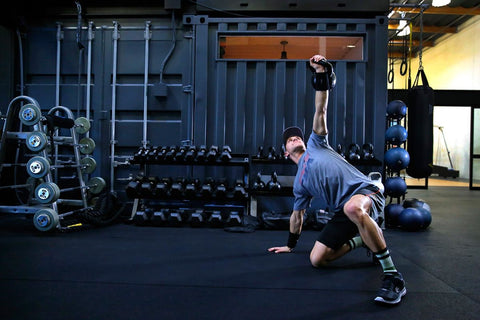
<point x="166" y="285"/>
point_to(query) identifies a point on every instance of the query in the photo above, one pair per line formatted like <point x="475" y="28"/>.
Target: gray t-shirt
<point x="323" y="173"/>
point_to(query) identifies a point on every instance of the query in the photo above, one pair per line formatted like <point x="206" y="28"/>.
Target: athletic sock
<point x="385" y="260"/>
<point x="355" y="242"/>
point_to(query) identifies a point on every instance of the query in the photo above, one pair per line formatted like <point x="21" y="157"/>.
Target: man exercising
<point x="353" y="197"/>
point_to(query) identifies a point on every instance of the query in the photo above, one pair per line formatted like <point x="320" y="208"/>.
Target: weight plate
<point x="88" y="165"/>
<point x="30" y="114"/>
<point x="45" y="219"/>
<point x="82" y="125"/>
<point x="96" y="185"/>
<point x="47" y="192"/>
<point x="36" y="141"/>
<point x="38" y="167"/>
<point x="87" y="145"/>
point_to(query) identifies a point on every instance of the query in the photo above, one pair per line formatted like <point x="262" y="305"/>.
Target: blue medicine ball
<point x="395" y="187"/>
<point x="392" y="212"/>
<point x="423" y="207"/>
<point x="411" y="219"/>
<point x="396" y="109"/>
<point x="396" y="135"/>
<point x="426" y="216"/>
<point x="415" y="203"/>
<point x="397" y="158"/>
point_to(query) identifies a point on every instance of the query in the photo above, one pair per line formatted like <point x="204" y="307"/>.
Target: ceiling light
<point x="403" y="28"/>
<point x="440" y="3"/>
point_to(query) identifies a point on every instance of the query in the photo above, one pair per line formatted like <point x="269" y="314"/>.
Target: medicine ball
<point x="396" y="109"/>
<point x="423" y="207"/>
<point x="411" y="219"/>
<point x="426" y="216"/>
<point x="415" y="203"/>
<point x="397" y="158"/>
<point x="395" y="187"/>
<point x="396" y="135"/>
<point x="392" y="212"/>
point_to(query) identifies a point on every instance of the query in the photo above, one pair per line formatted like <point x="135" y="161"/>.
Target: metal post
<point x="57" y="79"/>
<point x="147" y="37"/>
<point x="91" y="36"/>
<point x="115" y="37"/>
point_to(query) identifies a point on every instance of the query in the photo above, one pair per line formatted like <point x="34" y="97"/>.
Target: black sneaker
<point x="393" y="289"/>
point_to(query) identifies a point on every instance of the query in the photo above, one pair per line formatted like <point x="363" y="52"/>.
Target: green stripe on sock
<point x="386" y="261"/>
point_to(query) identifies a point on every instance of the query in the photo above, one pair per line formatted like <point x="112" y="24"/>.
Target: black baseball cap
<point x="292" y="132"/>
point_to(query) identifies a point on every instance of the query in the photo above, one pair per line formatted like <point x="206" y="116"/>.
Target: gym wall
<point x="191" y="94"/>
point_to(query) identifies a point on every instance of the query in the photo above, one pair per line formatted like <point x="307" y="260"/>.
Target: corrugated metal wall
<point x="244" y="104"/>
<point x="247" y="103"/>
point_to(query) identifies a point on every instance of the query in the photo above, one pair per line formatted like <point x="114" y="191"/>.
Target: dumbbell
<point x="159" y="218"/>
<point x="148" y="187"/>
<point x="197" y="218"/>
<point x="160" y="156"/>
<point x="353" y="152"/>
<point x="162" y="188"/>
<point x="133" y="187"/>
<point x="260" y="154"/>
<point x="139" y="156"/>
<point x="37" y="141"/>
<point x="226" y="154"/>
<point x="49" y="192"/>
<point x="207" y="188"/>
<point x="152" y="154"/>
<point x="191" y="188"/>
<point x="87" y="165"/>
<point x="178" y="187"/>
<point x="180" y="154"/>
<point x="273" y="184"/>
<point x="221" y="189"/>
<point x="191" y="154"/>
<point x="170" y="155"/>
<point x="367" y="152"/>
<point x="215" y="219"/>
<point x="143" y="218"/>
<point x="175" y="217"/>
<point x="234" y="219"/>
<point x="239" y="190"/>
<point x="212" y="153"/>
<point x="272" y="155"/>
<point x="340" y="150"/>
<point x="201" y="154"/>
<point x="258" y="184"/>
<point x="38" y="167"/>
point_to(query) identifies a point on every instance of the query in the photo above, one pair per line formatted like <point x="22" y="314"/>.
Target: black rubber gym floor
<point x="129" y="272"/>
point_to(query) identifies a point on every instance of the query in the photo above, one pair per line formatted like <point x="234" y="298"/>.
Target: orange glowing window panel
<point x="289" y="47"/>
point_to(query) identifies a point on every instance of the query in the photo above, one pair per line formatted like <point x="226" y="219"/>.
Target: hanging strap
<point x="423" y="76"/>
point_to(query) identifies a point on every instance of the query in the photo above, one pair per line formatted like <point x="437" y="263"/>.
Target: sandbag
<point x="420" y="127"/>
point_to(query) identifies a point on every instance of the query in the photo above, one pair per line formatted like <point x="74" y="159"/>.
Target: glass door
<point x="475" y="149"/>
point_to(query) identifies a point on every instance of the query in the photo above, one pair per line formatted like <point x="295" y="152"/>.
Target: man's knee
<point x="319" y="255"/>
<point x="357" y="208"/>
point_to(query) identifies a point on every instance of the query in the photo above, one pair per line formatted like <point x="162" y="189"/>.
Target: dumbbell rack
<point x="393" y="120"/>
<point x="285" y="183"/>
<point x="44" y="205"/>
<point x="148" y="210"/>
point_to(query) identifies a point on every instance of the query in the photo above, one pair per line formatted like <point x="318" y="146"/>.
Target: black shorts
<point x="340" y="229"/>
